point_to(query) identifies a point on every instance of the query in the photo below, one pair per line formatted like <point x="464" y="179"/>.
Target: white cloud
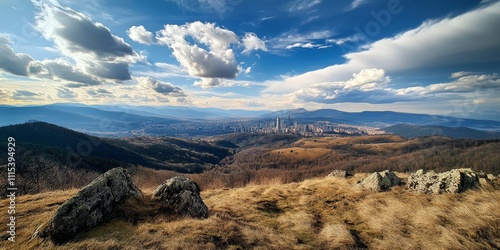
<point x="465" y="82"/>
<point x="355" y="4"/>
<point x="466" y="39"/>
<point x="210" y="57"/>
<point x="300" y="5"/>
<point x="292" y="39"/>
<point x="372" y="86"/>
<point x="140" y="34"/>
<point x="341" y="41"/>
<point x="252" y="42"/>
<point x="369" y="85"/>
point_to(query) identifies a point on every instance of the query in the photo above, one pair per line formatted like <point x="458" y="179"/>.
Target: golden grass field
<point x="313" y="148"/>
<point x="322" y="213"/>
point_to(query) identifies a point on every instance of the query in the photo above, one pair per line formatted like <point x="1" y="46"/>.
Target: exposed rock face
<point x="181" y="196"/>
<point x="91" y="206"/>
<point x="339" y="174"/>
<point x="453" y="181"/>
<point x="380" y="181"/>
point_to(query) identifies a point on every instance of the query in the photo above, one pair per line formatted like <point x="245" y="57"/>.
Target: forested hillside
<point x="52" y="157"/>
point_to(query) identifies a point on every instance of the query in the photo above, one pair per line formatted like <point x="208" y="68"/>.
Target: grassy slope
<point x="324" y="213"/>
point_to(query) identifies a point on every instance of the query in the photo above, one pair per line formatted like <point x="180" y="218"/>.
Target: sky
<point x="426" y="56"/>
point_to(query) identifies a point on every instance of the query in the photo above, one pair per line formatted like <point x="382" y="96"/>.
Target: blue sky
<point x="353" y="55"/>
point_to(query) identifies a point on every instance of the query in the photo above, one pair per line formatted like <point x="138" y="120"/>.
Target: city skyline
<point x="405" y="56"/>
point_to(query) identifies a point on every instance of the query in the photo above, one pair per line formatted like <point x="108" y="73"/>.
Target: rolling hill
<point x="412" y="131"/>
<point x="81" y="118"/>
<point x="161" y="153"/>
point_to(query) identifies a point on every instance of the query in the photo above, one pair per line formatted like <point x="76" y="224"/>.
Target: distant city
<point x="264" y="126"/>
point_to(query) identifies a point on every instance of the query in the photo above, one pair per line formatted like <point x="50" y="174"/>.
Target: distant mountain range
<point x="412" y="131"/>
<point x="382" y="119"/>
<point x="109" y="120"/>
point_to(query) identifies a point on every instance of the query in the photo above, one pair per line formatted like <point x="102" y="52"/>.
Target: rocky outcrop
<point x="380" y="181"/>
<point x="454" y="181"/>
<point x="91" y="206"/>
<point x="340" y="173"/>
<point x="180" y="195"/>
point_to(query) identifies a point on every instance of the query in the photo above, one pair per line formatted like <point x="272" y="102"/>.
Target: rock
<point x="453" y="181"/>
<point x="339" y="174"/>
<point x="491" y="177"/>
<point x="91" y="206"/>
<point x="380" y="181"/>
<point x="180" y="195"/>
<point x="489" y="180"/>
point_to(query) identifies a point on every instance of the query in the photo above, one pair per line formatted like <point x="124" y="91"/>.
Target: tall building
<point x="278" y="123"/>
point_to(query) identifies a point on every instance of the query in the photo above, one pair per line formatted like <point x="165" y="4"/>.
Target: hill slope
<point x="42" y="148"/>
<point x="412" y="131"/>
<point x="326" y="213"/>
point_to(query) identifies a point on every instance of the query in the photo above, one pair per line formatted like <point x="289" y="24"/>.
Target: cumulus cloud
<point x="140" y="34"/>
<point x="209" y="57"/>
<point x="468" y="38"/>
<point x="372" y="86"/>
<point x="12" y="62"/>
<point x="164" y="88"/>
<point x="369" y="85"/>
<point x="92" y="45"/>
<point x="252" y="42"/>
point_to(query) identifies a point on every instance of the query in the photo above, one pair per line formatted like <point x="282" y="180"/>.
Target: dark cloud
<point x="76" y="33"/>
<point x="24" y="93"/>
<point x="117" y="71"/>
<point x="103" y="91"/>
<point x="12" y="62"/>
<point x="165" y="88"/>
<point x="65" y="93"/>
<point x="99" y="93"/>
<point x="61" y="70"/>
<point x="96" y="50"/>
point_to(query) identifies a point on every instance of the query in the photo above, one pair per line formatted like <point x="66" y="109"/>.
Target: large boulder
<point x="91" y="206"/>
<point x="380" y="181"/>
<point x="453" y="181"/>
<point x="181" y="196"/>
<point x="340" y="173"/>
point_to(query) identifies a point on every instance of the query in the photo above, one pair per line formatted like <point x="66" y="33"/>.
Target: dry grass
<point x="325" y="142"/>
<point x="302" y="153"/>
<point x="326" y="213"/>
